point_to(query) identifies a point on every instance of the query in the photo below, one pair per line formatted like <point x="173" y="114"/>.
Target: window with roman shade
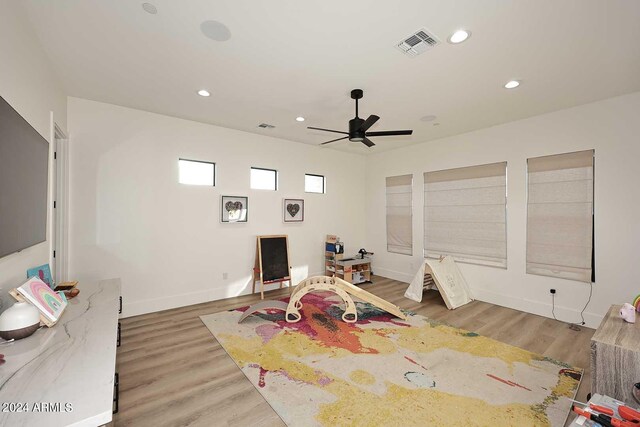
<point x="465" y="214"/>
<point x="399" y="234"/>
<point x="560" y="216"/>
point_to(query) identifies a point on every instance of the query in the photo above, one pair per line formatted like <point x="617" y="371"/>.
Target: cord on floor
<point x="572" y="326"/>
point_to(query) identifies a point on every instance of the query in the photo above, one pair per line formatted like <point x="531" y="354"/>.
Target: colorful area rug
<point x="383" y="371"/>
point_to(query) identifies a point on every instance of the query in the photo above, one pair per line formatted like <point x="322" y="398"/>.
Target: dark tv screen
<point x="24" y="168"/>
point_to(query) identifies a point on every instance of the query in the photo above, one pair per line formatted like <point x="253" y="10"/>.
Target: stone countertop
<point x="64" y="375"/>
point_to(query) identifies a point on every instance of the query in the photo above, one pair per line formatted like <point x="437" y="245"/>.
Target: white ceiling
<point x="287" y="58"/>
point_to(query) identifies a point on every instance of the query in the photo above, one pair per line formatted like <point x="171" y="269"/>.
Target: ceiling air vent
<point x="266" y="126"/>
<point x="418" y="42"/>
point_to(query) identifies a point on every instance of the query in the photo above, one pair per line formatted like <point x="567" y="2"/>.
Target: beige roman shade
<point x="399" y="235"/>
<point x="465" y="214"/>
<point x="560" y="216"/>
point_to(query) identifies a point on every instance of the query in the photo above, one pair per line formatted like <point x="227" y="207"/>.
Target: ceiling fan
<point x="358" y="127"/>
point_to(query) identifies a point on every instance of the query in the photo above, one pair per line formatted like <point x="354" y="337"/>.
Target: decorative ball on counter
<point x="628" y="313"/>
<point x="19" y="321"/>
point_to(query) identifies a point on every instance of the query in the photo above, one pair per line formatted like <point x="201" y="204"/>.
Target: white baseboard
<point x="136" y="308"/>
<point x="565" y="314"/>
<point x="393" y="274"/>
<point x="153" y="305"/>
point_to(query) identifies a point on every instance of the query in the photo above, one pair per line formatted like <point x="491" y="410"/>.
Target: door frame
<point x="58" y="258"/>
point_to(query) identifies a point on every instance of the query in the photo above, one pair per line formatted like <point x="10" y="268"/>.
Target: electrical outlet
<point x="225" y="276"/>
<point x="552" y="291"/>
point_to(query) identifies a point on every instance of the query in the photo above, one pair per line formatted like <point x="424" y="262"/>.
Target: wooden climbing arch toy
<point x="324" y="283"/>
<point x="315" y="284"/>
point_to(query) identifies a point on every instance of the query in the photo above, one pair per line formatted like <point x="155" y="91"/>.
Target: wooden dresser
<point x="615" y="357"/>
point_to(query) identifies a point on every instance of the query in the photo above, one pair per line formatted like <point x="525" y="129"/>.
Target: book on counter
<point x="49" y="303"/>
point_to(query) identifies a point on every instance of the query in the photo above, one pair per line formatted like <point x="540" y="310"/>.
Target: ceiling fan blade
<point x="369" y="122"/>
<point x="329" y="130"/>
<point x="390" y="133"/>
<point x="368" y="142"/>
<point x="334" y="140"/>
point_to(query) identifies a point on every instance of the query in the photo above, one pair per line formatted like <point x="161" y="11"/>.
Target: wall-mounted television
<point x="24" y="173"/>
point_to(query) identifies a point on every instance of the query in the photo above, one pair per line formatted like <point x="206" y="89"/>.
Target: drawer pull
<point x="116" y="393"/>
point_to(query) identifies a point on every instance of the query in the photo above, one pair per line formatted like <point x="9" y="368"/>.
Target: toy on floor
<point x="628" y="313"/>
<point x="446" y="277"/>
<point x="606" y="411"/>
<point x="325" y="283"/>
<point x="264" y="305"/>
<point x="320" y="283"/>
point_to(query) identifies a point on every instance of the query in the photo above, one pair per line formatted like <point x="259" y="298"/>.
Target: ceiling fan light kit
<point x="358" y="127"/>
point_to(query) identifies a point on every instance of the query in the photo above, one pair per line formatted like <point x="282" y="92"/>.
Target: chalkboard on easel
<point x="272" y="260"/>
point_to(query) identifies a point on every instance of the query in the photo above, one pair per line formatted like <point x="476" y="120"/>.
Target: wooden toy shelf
<point x="354" y="271"/>
<point x="333" y="253"/>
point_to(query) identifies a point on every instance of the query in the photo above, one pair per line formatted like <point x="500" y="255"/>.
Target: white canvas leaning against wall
<point x="399" y="215"/>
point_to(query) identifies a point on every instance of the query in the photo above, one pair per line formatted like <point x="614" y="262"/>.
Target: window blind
<point x="465" y="214"/>
<point x="560" y="216"/>
<point x="399" y="234"/>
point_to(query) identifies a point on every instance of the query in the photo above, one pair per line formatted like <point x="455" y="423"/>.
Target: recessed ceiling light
<point x="215" y="31"/>
<point x="149" y="8"/>
<point x="203" y="92"/>
<point x="428" y="118"/>
<point x="459" y="36"/>
<point x="300" y="119"/>
<point x="512" y="84"/>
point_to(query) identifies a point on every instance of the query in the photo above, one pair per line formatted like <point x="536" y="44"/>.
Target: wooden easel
<point x="259" y="268"/>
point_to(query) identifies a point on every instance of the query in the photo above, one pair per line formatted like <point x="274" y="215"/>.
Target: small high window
<point x="314" y="183"/>
<point x="264" y="179"/>
<point x="195" y="172"/>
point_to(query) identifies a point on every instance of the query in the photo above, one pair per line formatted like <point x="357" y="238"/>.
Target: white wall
<point x="27" y="82"/>
<point x="611" y="127"/>
<point x="131" y="219"/>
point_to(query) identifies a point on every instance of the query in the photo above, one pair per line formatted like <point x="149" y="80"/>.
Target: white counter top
<point x="69" y="367"/>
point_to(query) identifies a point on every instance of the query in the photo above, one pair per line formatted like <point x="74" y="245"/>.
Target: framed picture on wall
<point x="234" y="209"/>
<point x="293" y="210"/>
